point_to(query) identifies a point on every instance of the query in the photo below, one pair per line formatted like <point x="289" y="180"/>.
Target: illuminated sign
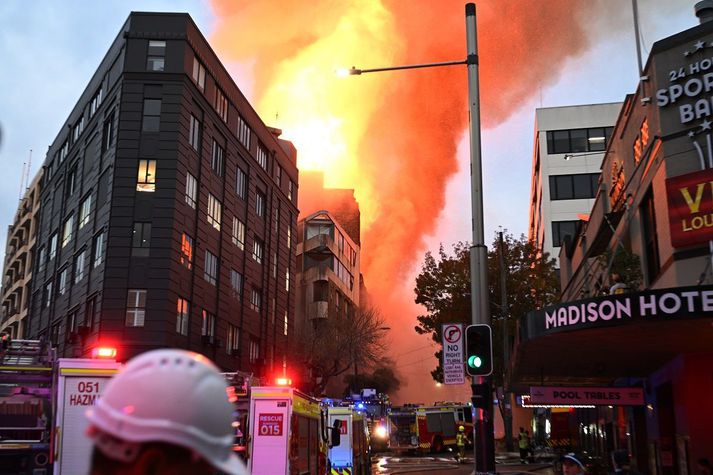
<point x="690" y="208"/>
<point x="595" y="396"/>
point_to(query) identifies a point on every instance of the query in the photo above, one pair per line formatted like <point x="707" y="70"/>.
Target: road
<point x="444" y="464"/>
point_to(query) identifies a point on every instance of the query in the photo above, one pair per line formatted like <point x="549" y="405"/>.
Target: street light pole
<point x="480" y="309"/>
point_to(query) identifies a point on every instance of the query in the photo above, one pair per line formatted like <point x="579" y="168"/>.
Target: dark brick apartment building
<point x="168" y="210"/>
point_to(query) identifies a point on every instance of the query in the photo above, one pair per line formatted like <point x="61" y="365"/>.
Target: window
<point x="64" y="151"/>
<point x="72" y="322"/>
<point x="67" y="231"/>
<point x="92" y="312"/>
<point x="186" y="251"/>
<point x="191" y="190"/>
<point x="198" y="73"/>
<point x="42" y="258"/>
<point x="254" y="350"/>
<point x="108" y="133"/>
<point x="578" y="140"/>
<point x="210" y="273"/>
<point x="259" y="204"/>
<point x="98" y="249"/>
<point x="53" y="246"/>
<point x="77" y="129"/>
<point x="560" y="229"/>
<point x="208" y="324"/>
<point x="182" y="312"/>
<point x="63" y="281"/>
<point x="233" y="340"/>
<point x="273" y="311"/>
<point x="568" y="187"/>
<point x="274" y="264"/>
<point x="146" y="180"/>
<point x="255" y="300"/>
<point x="152" y="115"/>
<point x="261" y="156"/>
<point x="48" y="294"/>
<point x="236" y="283"/>
<point x="156" y="55"/>
<point x="214" y="211"/>
<point x="71" y="181"/>
<point x="288" y="233"/>
<point x="135" y="307"/>
<point x="141" y="239"/>
<point x="287" y="280"/>
<point x="239" y="233"/>
<point x="216" y="161"/>
<point x="84" y="211"/>
<point x="221" y="104"/>
<point x="284" y="332"/>
<point x="95" y="102"/>
<point x="241" y="186"/>
<point x="257" y="250"/>
<point x="243" y="132"/>
<point x="651" y="242"/>
<point x="278" y="174"/>
<point x="79" y="267"/>
<point x="194" y="133"/>
<point x="290" y="190"/>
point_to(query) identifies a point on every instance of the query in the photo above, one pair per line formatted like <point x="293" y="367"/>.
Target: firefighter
<point x="461" y="440"/>
<point x="166" y="412"/>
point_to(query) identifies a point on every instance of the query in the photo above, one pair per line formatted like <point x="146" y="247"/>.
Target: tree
<point x="383" y="378"/>
<point x="443" y="288"/>
<point x="330" y="347"/>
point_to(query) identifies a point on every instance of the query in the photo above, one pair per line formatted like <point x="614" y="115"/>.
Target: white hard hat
<point x="173" y="396"/>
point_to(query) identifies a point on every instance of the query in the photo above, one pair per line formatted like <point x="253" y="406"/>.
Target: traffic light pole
<point x="484" y="445"/>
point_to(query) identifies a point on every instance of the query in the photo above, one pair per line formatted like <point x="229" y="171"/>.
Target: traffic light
<point x="479" y="350"/>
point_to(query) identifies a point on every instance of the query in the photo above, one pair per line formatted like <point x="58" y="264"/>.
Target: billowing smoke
<point x="392" y="136"/>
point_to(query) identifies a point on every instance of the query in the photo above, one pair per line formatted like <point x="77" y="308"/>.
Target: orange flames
<point x="391" y="136"/>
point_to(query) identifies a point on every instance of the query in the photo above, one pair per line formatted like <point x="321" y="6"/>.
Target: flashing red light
<point x="104" y="352"/>
<point x="283" y="382"/>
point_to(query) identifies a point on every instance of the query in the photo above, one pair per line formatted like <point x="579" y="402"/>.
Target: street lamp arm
<point x="356" y="71"/>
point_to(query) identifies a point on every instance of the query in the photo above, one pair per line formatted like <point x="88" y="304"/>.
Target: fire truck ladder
<point x="26" y="380"/>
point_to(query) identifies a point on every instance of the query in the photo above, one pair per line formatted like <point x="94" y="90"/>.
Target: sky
<point x="50" y="49"/>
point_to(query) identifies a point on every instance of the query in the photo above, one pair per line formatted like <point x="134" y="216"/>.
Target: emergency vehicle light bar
<point x="283" y="382"/>
<point x="104" y="352"/>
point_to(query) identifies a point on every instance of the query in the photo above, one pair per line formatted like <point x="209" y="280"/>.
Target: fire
<point x="392" y="136"/>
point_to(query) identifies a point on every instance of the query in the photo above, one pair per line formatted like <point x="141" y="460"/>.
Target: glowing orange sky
<point x="391" y="136"/>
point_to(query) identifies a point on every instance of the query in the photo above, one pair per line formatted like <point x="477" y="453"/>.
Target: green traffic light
<point x="475" y="361"/>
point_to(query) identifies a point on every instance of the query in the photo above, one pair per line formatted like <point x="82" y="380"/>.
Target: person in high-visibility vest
<point x="461" y="440"/>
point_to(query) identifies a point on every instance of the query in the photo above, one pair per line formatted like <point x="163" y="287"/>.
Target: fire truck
<point x="351" y="456"/>
<point x="428" y="428"/>
<point x="289" y="434"/>
<point x="42" y="405"/>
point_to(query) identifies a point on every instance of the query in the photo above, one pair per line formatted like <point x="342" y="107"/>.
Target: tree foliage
<point x="332" y="346"/>
<point x="383" y="378"/>
<point x="443" y="288"/>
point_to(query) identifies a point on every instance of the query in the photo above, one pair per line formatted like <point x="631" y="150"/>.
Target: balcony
<point x="317" y="310"/>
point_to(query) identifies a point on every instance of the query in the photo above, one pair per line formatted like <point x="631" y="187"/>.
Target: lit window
<point x="243" y="132"/>
<point x="233" y="340"/>
<point x="146" y="180"/>
<point x="152" y="115"/>
<point x="287" y="280"/>
<point x="241" y="186"/>
<point x="210" y="273"/>
<point x="262" y="156"/>
<point x="289" y="234"/>
<point x="194" y="133"/>
<point x="84" y="211"/>
<point x="221" y="104"/>
<point x="156" y="55"/>
<point x="257" y="250"/>
<point x="191" y="190"/>
<point x="135" y="307"/>
<point x="290" y="190"/>
<point x="182" y="312"/>
<point x="208" y="324"/>
<point x="198" y="73"/>
<point x="67" y="231"/>
<point x="239" y="233"/>
<point x="214" y="211"/>
<point x="284" y="332"/>
<point x="79" y="267"/>
<point x="187" y="251"/>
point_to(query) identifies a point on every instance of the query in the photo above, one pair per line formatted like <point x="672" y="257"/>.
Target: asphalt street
<point x="386" y="464"/>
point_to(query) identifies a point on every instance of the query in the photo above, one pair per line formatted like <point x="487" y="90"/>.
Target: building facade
<point x="569" y="147"/>
<point x="636" y="316"/>
<point x="168" y="210"/>
<point x="17" y="268"/>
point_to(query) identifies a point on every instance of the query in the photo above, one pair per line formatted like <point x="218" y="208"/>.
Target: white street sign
<point x="453" y="342"/>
